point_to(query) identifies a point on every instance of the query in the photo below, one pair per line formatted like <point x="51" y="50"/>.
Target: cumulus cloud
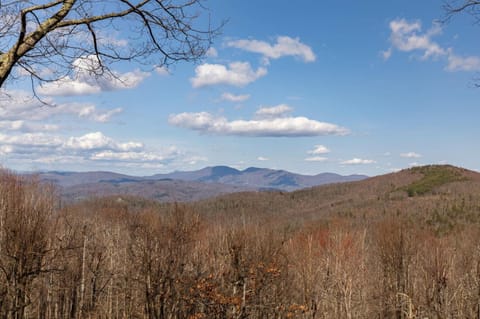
<point x="86" y="149"/>
<point x="408" y="36"/>
<point x="208" y="123"/>
<point x="358" y="161"/>
<point x="96" y="140"/>
<point x="284" y="46"/>
<point x="88" y="79"/>
<point x="274" y="111"/>
<point x="262" y="159"/>
<point x="234" y="98"/>
<point x="405" y="36"/>
<point x="319" y="149"/>
<point x="235" y="74"/>
<point x="48" y="143"/>
<point x="410" y="155"/>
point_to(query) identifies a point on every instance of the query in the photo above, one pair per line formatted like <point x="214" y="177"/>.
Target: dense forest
<point x="403" y="245"/>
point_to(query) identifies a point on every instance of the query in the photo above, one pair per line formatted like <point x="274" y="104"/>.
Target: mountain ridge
<point x="203" y="183"/>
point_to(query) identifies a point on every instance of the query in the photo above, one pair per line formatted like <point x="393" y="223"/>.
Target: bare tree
<point x="44" y="39"/>
<point x="472" y="7"/>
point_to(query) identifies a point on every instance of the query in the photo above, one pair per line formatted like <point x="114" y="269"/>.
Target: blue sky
<point x="315" y="86"/>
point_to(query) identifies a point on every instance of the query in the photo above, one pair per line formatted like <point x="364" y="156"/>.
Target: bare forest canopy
<point x="403" y="245"/>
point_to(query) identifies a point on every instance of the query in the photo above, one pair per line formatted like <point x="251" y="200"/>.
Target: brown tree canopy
<point x="44" y="39"/>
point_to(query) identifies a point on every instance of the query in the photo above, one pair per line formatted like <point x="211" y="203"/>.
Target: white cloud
<point x="193" y="160"/>
<point x="405" y="37"/>
<point x="5" y="149"/>
<point x="87" y="79"/>
<point x="457" y="63"/>
<point x="68" y="87"/>
<point x="211" y="52"/>
<point x="207" y="123"/>
<point x="284" y="46"/>
<point x="18" y="105"/>
<point x="274" y="111"/>
<point x="236" y="74"/>
<point x="12" y="125"/>
<point x="319" y="149"/>
<point x="96" y="140"/>
<point x="262" y="159"/>
<point x="386" y="54"/>
<point x="316" y="159"/>
<point x="90" y="112"/>
<point x="410" y="155"/>
<point x="358" y="161"/>
<point x="30" y="142"/>
<point x="58" y="159"/>
<point x="162" y="70"/>
<point x="234" y="98"/>
<point x="127" y="156"/>
<point x="20" y="125"/>
<point x="408" y="37"/>
<point x="89" y="149"/>
<point x="13" y="102"/>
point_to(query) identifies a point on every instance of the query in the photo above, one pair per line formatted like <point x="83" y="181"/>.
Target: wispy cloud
<point x="458" y="63"/>
<point x="234" y="98"/>
<point x="20" y="111"/>
<point x="358" y="161"/>
<point x="284" y="46"/>
<point x="236" y="74"/>
<point x="407" y="36"/>
<point x="316" y="153"/>
<point x="410" y="155"/>
<point x="208" y="123"/>
<point x="319" y="149"/>
<point x="211" y="52"/>
<point x="316" y="159"/>
<point x="162" y="70"/>
<point x="274" y="111"/>
<point x="25" y="126"/>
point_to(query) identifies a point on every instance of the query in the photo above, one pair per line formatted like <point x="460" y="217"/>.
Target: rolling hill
<point x="440" y="195"/>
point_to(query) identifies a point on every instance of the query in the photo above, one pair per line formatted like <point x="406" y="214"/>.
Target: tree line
<point x="121" y="258"/>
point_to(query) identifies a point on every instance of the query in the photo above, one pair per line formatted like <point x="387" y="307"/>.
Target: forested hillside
<point x="403" y="245"/>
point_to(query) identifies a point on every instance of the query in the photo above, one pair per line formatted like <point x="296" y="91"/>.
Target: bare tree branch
<point x="52" y="35"/>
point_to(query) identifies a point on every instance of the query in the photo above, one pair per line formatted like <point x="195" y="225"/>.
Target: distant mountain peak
<point x="253" y="169"/>
<point x="224" y="170"/>
<point x="209" y="181"/>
